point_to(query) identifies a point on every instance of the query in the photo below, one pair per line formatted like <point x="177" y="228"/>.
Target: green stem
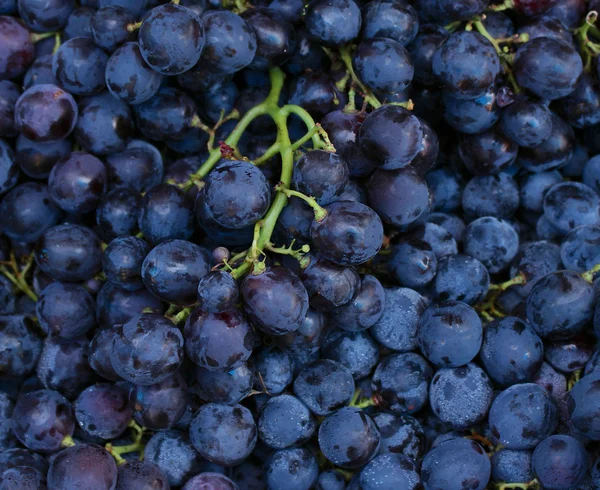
<point x="57" y="42"/>
<point x="181" y="316"/>
<point x="518" y="279"/>
<point x="320" y="213"/>
<point x="589" y="275"/>
<point x="37" y="37"/>
<point x="67" y="442"/>
<point x="506" y="5"/>
<point x="18" y="278"/>
<point x="306" y="118"/>
<point x="453" y="26"/>
<point x="368" y="95"/>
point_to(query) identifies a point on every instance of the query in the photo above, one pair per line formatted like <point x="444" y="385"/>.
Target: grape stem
<point x="67" y="442"/>
<point x="588" y="48"/>
<point x="298" y="254"/>
<point x="37" y="37"/>
<point x="533" y="484"/>
<point x="589" y="275"/>
<point x="136" y="446"/>
<point x="320" y="213"/>
<point x="346" y="58"/>
<point x="506" y="5"/>
<point x="19" y="277"/>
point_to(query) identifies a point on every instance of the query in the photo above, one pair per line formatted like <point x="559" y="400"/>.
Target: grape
<point x="210" y="480"/>
<point x="466" y="65"/>
<point x="160" y="405"/>
<point x="229" y="387"/>
<point x="217" y="292"/>
<point x="66" y="310"/>
<point x="392" y="20"/>
<point x="63" y="365"/>
<point x="84" y="466"/>
<point x="147" y="349"/>
<point x="117" y="213"/>
<point x="20" y="345"/>
<point x="412" y="263"/>
<point x="22" y="478"/>
<point x="285" y="422"/>
<point x="349" y="438"/>
<point x="568" y="356"/>
<point x="18" y="457"/>
<point x="387" y="471"/>
<point x="99" y="354"/>
<point x="218" y="341"/>
<point x="560" y="305"/>
<point x="491" y="195"/>
<point x="398" y="196"/>
<point x="492" y="241"/>
<point x="450" y="334"/>
<point x="9" y="94"/>
<point x="17" y="48"/>
<point x="560" y="462"/>
<point x="109" y="27"/>
<point x="172" y="452"/>
<point x="230" y="42"/>
<point x="136" y="475"/>
<point x="293" y="468"/>
<point x="275" y="37"/>
<point x="103" y="411"/>
<point x="139" y="168"/>
<point x="178" y="51"/>
<point x="512" y="466"/>
<point x="422" y="49"/>
<point x="122" y="262"/>
<point x="461" y="396"/>
<point x="322" y="175"/>
<point x="172" y="269"/>
<point x="400" y="382"/>
<point x="400" y="434"/>
<point x="78" y="23"/>
<point x="350" y="234"/>
<point x="521" y="416"/>
<point x="223" y="434"/>
<point x="355" y="350"/>
<point x="79" y="66"/>
<point x="454" y="464"/>
<point x="582" y="405"/>
<point x="474" y="116"/>
<point x="461" y="278"/>
<point x="129" y="77"/>
<point x="115" y="306"/>
<point x="9" y="171"/>
<point x="384" y="65"/>
<point x="275" y="314"/>
<point x="42" y="419"/>
<point x="487" y="153"/>
<point x="333" y="23"/>
<point x="315" y="92"/>
<point x="536" y="67"/>
<point x="275" y="369"/>
<point x="364" y="309"/>
<point x="331" y="480"/>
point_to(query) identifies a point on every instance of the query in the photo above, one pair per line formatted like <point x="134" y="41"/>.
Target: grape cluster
<point x="289" y="245"/>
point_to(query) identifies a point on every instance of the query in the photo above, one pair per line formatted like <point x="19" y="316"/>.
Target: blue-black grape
<point x="293" y="469"/>
<point x="79" y="66"/>
<point x="9" y="171"/>
<point x="560" y="462"/>
<point x="322" y="175"/>
<point x="139" y="167"/>
<point x="229" y="387"/>
<point x="103" y="411"/>
<point x="413" y="263"/>
<point x="147" y="349"/>
<point x="223" y="434"/>
<point x="491" y="195"/>
<point x="393" y="20"/>
<point x="122" y="262"/>
<point x="568" y="205"/>
<point x="582" y="402"/>
<point x="492" y="241"/>
<point x="355" y="350"/>
<point x="527" y="122"/>
<point x="18" y="49"/>
<point x="472" y="116"/>
<point x="285" y="422"/>
<point x="20" y="345"/>
<point x="85" y="466"/>
<point x="579" y="249"/>
<point x="333" y="23"/>
<point x="136" y="475"/>
<point x="400" y="434"/>
<point x="117" y="213"/>
<point x="210" y="480"/>
<point x="388" y="471"/>
<point x="109" y="27"/>
<point x="487" y="153"/>
<point x="275" y="369"/>
<point x="115" y="306"/>
<point x="461" y="278"/>
<point x="9" y="94"/>
<point x="513" y="466"/>
<point x="22" y="478"/>
<point x="161" y="405"/>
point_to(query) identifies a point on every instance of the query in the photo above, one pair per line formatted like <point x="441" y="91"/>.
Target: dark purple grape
<point x="20" y="346"/>
<point x="63" y="366"/>
<point x="579" y="249"/>
<point x="9" y="94"/>
<point x="69" y="253"/>
<point x="550" y="68"/>
<point x="115" y="306"/>
<point x="400" y="434"/>
<point x="392" y="20"/>
<point x="117" y="213"/>
<point x="40" y="72"/>
<point x="412" y="263"/>
<point x="487" y="153"/>
<point x="122" y="262"/>
<point x="78" y="23"/>
<point x="400" y="382"/>
<point x="9" y="171"/>
<point x="167" y="214"/>
<point x="522" y="416"/>
<point x="349" y="438"/>
<point x="218" y="341"/>
<point x="560" y="461"/>
<point x="294" y="222"/>
<point x="384" y="65"/>
<point x="218" y="291"/>
<point x="398" y="196"/>
<point x="36" y="158"/>
<point x="42" y="419"/>
<point x="27" y="211"/>
<point x="315" y="92"/>
<point x="387" y="471"/>
<point x="455" y="463"/>
<point x="291" y="468"/>
<point x="45" y="16"/>
<point x="208" y="480"/>
<point x="466" y="65"/>
<point x="129" y="77"/>
<point x="172" y="452"/>
<point x="491" y="195"/>
<point x="582" y="404"/>
<point x="422" y="49"/>
<point x="181" y="49"/>
<point x="147" y="349"/>
<point x="527" y="122"/>
<point x="461" y="278"/>
<point x="333" y="23"/>
<point x="355" y="350"/>
<point x="275" y="369"/>
<point x="472" y="116"/>
<point x="275" y="301"/>
<point x="77" y="182"/>
<point x="79" y="66"/>
<point x="105" y="124"/>
<point x="172" y="269"/>
<point x="45" y="112"/>
<point x="321" y="175"/>
<point x="275" y="37"/>
<point x="223" y="434"/>
<point x="83" y="466"/>
<point x="66" y="310"/>
<point x="461" y="10"/>
<point x="568" y="205"/>
<point x="229" y="387"/>
<point x="285" y="422"/>
<point x="22" y="478"/>
<point x="494" y="242"/>
<point x="99" y="354"/>
<point x="161" y="405"/>
<point x="364" y="309"/>
<point x="236" y="194"/>
<point x="512" y="466"/>
<point x="534" y="187"/>
<point x="141" y="475"/>
<point x="350" y="234"/>
<point x="230" y="41"/>
<point x="139" y="168"/>
<point x="17" y="48"/>
<point x="391" y="137"/>
<point x="109" y="27"/>
<point x="103" y="411"/>
<point x="324" y="386"/>
<point x="396" y="328"/>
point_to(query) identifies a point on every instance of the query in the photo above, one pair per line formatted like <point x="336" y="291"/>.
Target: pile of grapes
<point x="289" y="245"/>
